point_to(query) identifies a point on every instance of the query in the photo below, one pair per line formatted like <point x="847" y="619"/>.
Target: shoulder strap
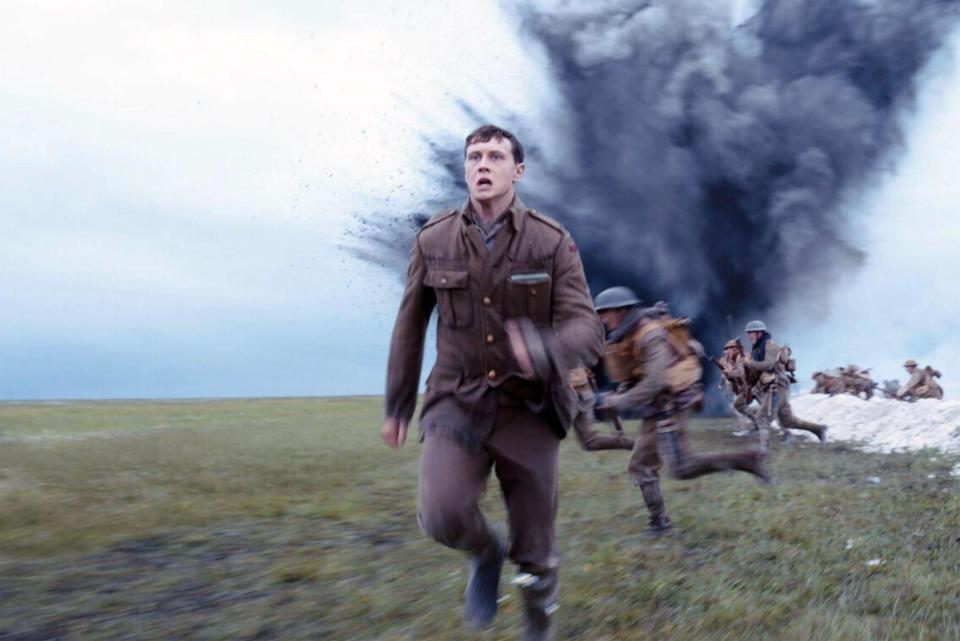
<point x="443" y="215"/>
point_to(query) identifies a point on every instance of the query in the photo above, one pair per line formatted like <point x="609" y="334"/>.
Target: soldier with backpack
<point x="654" y="361"/>
<point x="769" y="370"/>
<point x="922" y="383"/>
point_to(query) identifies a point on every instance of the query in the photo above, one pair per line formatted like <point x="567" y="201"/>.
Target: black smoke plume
<point x="713" y="165"/>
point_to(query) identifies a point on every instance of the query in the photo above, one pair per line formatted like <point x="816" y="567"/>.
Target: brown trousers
<point x="666" y="439"/>
<point x="779" y="406"/>
<point x="523" y="451"/>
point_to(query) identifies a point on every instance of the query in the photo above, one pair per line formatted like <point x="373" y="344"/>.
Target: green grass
<point x="289" y="519"/>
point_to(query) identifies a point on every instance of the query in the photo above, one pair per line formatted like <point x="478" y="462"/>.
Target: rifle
<point x="611" y="415"/>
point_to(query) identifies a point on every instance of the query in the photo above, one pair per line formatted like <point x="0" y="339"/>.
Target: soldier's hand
<point x="394" y="432"/>
<point x="519" y="347"/>
<point x="603" y="403"/>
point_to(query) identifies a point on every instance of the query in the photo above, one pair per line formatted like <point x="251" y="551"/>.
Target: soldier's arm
<point x="654" y="361"/>
<point x="915" y="379"/>
<point x="406" y="344"/>
<point x="577" y="332"/>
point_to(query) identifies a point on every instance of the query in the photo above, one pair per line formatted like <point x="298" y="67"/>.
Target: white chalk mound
<point x="883" y="425"/>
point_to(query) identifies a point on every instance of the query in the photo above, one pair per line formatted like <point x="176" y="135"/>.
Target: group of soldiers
<point x="517" y="337"/>
<point x="764" y="374"/>
<point x="655" y="364"/>
<point x="851" y="379"/>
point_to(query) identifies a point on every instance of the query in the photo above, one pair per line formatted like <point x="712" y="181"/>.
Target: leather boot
<point x="659" y="522"/>
<point x="480" y="597"/>
<point x="750" y="461"/>
<point x="817" y="429"/>
<point x="821" y="433"/>
<point x="539" y="604"/>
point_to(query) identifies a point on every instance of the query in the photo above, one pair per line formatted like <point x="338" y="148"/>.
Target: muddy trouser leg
<point x="525" y="449"/>
<point x="742" y="407"/>
<point x="452" y="480"/>
<point x="683" y="465"/>
<point x="788" y="419"/>
<point x="764" y="416"/>
<point x="644" y="469"/>
<point x="591" y="439"/>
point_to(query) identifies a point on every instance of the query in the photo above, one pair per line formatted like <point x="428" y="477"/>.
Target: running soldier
<point x="731" y="368"/>
<point x="769" y="372"/>
<point x="650" y="357"/>
<point x="515" y="317"/>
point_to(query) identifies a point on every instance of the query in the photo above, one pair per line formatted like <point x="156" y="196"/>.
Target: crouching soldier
<point x="768" y="369"/>
<point x="827" y="383"/>
<point x="921" y="383"/>
<point x="658" y="374"/>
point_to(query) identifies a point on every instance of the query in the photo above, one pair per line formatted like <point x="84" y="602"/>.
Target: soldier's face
<point x="611" y="318"/>
<point x="754" y="337"/>
<point x="911" y="368"/>
<point x="490" y="170"/>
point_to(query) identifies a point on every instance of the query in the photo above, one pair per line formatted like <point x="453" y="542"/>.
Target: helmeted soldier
<point x="828" y="383"/>
<point x="921" y="384"/>
<point x="768" y="368"/>
<point x="731" y="368"/>
<point x="658" y="373"/>
<point x="857" y="381"/>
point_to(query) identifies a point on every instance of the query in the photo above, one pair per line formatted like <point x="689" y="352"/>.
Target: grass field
<point x="288" y="519"/>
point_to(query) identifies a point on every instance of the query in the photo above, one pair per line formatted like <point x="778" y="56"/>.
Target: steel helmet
<point x="755" y="326"/>
<point x="910" y="363"/>
<point x="614" y="297"/>
<point x="733" y="344"/>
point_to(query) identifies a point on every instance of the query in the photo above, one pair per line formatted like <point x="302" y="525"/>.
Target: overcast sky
<point x="178" y="179"/>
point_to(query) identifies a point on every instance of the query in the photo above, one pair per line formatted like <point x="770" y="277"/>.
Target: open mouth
<point x="484" y="182"/>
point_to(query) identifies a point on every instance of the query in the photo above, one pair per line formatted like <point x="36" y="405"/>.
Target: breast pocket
<point x="529" y="296"/>
<point x="453" y="296"/>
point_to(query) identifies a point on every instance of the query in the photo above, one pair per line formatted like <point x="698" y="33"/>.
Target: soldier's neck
<point x="487" y="211"/>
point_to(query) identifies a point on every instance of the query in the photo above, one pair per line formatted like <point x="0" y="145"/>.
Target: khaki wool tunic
<point x="531" y="269"/>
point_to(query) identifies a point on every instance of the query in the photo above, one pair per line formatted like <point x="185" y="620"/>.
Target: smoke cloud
<point x="709" y="164"/>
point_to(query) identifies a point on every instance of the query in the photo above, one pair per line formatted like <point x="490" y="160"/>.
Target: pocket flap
<point x="439" y="279"/>
<point x="530" y="278"/>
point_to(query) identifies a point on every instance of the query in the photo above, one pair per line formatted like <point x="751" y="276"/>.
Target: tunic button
<point x="443" y="280"/>
<point x="487" y="301"/>
<point x="492" y="374"/>
<point x="489" y="338"/>
<point x="533" y="292"/>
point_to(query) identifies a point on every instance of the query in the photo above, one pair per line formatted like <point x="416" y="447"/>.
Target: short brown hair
<point x="484" y="133"/>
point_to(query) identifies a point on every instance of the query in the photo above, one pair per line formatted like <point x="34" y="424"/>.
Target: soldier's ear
<point x="518" y="174"/>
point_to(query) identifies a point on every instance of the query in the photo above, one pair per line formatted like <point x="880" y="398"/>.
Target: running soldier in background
<point x="769" y="372"/>
<point x="731" y="368"/>
<point x="650" y="357"/>
<point x="585" y="385"/>
<point x="921" y="383"/>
